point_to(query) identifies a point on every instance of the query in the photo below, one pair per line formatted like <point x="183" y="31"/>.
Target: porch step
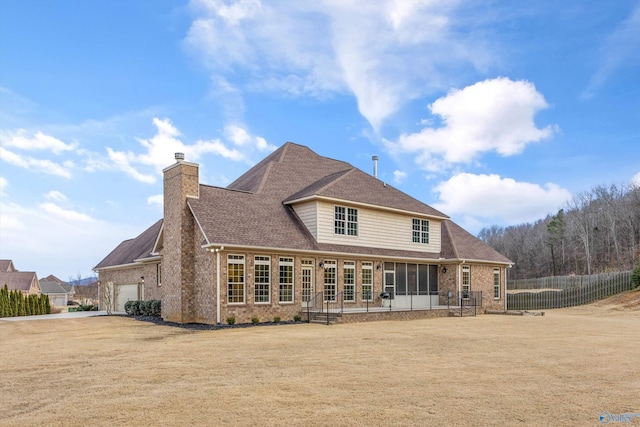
<point x="321" y="318"/>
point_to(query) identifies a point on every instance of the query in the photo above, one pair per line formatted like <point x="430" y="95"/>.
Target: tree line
<point x="596" y="232"/>
<point x="14" y="303"/>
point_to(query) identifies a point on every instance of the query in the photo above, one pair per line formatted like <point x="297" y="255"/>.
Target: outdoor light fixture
<point x="444" y="269"/>
<point x="321" y="264"/>
<point x="378" y="267"/>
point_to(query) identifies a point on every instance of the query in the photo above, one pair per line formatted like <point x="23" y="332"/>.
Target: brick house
<point x="295" y="229"/>
<point x="23" y="281"/>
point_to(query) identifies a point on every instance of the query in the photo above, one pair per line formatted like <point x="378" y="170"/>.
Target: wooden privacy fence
<point x="565" y="291"/>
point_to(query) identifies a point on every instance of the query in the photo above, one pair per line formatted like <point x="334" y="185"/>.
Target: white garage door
<point x="125" y="293"/>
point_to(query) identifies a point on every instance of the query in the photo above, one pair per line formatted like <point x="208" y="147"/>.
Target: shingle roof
<point x="49" y="287"/>
<point x="6" y="265"/>
<point x="130" y="250"/>
<point x="457" y="243"/>
<point x="19" y="280"/>
<point x="254" y="211"/>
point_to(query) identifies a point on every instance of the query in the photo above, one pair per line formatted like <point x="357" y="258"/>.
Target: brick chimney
<point x="178" y="269"/>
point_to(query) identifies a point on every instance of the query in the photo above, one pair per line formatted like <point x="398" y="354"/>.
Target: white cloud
<point x="36" y="165"/>
<point x="492" y="115"/>
<point x="157" y="199"/>
<point x="65" y="214"/>
<point x="635" y="180"/>
<point x="326" y="47"/>
<point x="399" y="176"/>
<point x="161" y="149"/>
<point x="485" y="198"/>
<point x="25" y="140"/>
<point x="619" y="48"/>
<point x="62" y="235"/>
<point x="56" y="196"/>
<point x="3" y="185"/>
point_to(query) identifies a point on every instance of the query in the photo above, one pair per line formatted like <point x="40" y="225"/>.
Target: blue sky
<point x="494" y="112"/>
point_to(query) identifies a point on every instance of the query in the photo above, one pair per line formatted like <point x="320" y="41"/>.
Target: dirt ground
<point x="564" y="368"/>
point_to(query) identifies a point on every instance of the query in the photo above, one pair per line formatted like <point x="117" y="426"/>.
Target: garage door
<point x="125" y="293"/>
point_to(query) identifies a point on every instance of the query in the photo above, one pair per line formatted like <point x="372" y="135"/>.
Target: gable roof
<point x="129" y="251"/>
<point x="354" y="185"/>
<point x="51" y="278"/>
<point x="261" y="200"/>
<point x="18" y="280"/>
<point x="50" y="287"/>
<point x="6" y="265"/>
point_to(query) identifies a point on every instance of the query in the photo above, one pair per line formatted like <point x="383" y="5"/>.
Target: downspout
<point x="218" y="284"/>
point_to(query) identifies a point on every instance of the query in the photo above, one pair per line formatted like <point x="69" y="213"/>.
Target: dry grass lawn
<point x="564" y="368"/>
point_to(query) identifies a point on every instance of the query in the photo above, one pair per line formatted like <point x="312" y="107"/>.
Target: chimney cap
<point x="374" y="158"/>
<point x="179" y="156"/>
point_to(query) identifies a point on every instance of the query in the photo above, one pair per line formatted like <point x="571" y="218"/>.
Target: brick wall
<point x="178" y="253"/>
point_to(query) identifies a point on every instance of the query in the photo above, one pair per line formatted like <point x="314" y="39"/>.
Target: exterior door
<point x="390" y="279"/>
<point x="308" y="282"/>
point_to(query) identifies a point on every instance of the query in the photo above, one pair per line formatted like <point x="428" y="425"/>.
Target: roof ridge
<point x="341" y="174"/>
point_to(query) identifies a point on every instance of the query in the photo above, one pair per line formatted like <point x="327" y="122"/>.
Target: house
<point x="297" y="229"/>
<point x="60" y="293"/>
<point x="23" y="281"/>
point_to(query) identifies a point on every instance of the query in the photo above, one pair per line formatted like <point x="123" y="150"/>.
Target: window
<point x="466" y="281"/>
<point x="339" y="220"/>
<point x="352" y="222"/>
<point x="367" y="281"/>
<point x="349" y="274"/>
<point x="420" y="231"/>
<point x="262" y="277"/>
<point x="286" y="279"/>
<point x="496" y="283"/>
<point x="235" y="277"/>
<point x="159" y="274"/>
<point x="345" y="221"/>
<point x="329" y="280"/>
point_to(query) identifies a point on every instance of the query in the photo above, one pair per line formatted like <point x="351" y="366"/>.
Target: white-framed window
<point x="349" y="276"/>
<point x="235" y="279"/>
<point x="466" y="281"/>
<point x="496" y="283"/>
<point x="286" y="280"/>
<point x="367" y="281"/>
<point x="345" y="221"/>
<point x="329" y="280"/>
<point x="159" y="274"/>
<point x="420" y="228"/>
<point x="352" y="222"/>
<point x="262" y="279"/>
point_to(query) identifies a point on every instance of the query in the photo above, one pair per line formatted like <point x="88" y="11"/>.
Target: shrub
<point x="144" y="307"/>
<point x="156" y="308"/>
<point x="255" y="320"/>
<point x="231" y="320"/>
<point x="132" y="308"/>
<point x="276" y="319"/>
<point x="297" y="318"/>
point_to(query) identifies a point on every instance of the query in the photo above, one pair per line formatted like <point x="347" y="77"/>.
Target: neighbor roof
<point x="6" y="265"/>
<point x="49" y="287"/>
<point x="19" y="280"/>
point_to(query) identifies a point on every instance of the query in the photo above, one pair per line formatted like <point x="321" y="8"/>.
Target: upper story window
<point x="345" y="221"/>
<point x="420" y="231"/>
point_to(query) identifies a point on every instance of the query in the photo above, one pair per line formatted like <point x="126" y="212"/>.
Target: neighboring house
<point x="297" y="228"/>
<point x="23" y="281"/>
<point x="59" y="292"/>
